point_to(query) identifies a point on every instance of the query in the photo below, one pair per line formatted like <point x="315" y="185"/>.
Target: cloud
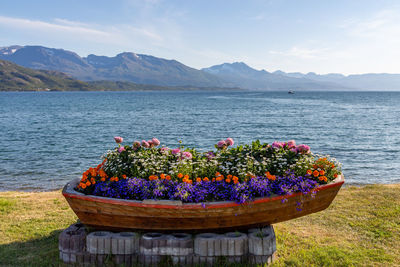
<point x="381" y="26"/>
<point x="60" y="30"/>
<point x="301" y="52"/>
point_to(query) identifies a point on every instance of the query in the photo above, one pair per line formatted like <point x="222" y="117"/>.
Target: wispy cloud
<point x="382" y="26"/>
<point x="57" y="26"/>
<point x="121" y="35"/>
<point x="301" y="52"/>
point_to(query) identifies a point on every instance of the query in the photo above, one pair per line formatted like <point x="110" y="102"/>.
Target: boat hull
<point x="164" y="215"/>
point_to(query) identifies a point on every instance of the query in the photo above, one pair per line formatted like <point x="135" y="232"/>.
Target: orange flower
<point x="219" y="178"/>
<point x="124" y="176"/>
<point x="213" y="179"/>
<point x="102" y="173"/>
<point x="168" y="177"/>
<point x="83" y="186"/>
<point x="153" y="177"/>
<point x="335" y="175"/>
<point x="116" y="179"/>
<point x="186" y="177"/>
<point x="229" y="176"/>
<point x="321" y="172"/>
<point x="180" y="175"/>
<point x="235" y="181"/>
<point x="323" y="178"/>
<point x="103" y="179"/>
<point x="316" y="173"/>
<point x="190" y="181"/>
<point x="270" y="177"/>
<point x="198" y="179"/>
<point x="205" y="179"/>
<point x="93" y="172"/>
<point x="227" y="180"/>
<point x="88" y="183"/>
<point x="309" y="172"/>
<point x="162" y="176"/>
<point x="235" y="178"/>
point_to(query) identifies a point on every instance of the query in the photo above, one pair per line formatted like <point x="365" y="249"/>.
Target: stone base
<point x="98" y="248"/>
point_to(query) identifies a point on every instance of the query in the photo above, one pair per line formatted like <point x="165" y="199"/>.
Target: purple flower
<point x="120" y="149"/>
<point x="145" y="144"/>
<point x="155" y="141"/>
<point x="175" y="151"/>
<point x="118" y="139"/>
<point x="210" y="155"/>
<point x="221" y="144"/>
<point x="229" y="141"/>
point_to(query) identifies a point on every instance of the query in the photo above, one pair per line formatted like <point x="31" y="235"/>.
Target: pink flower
<point x="175" y="151"/>
<point x="136" y="144"/>
<point x="156" y="142"/>
<point x="229" y="141"/>
<point x="277" y="144"/>
<point x="221" y="144"/>
<point x="118" y="139"/>
<point x="120" y="149"/>
<point x="145" y="144"/>
<point x="304" y="149"/>
<point x="164" y="149"/>
<point x="291" y="144"/>
<point x="187" y="155"/>
<point x="150" y="143"/>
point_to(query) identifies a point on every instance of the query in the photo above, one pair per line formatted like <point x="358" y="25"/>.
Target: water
<point x="47" y="139"/>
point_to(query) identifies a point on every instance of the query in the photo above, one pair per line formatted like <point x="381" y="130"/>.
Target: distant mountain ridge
<point x="150" y="70"/>
<point x="14" y="77"/>
<point x="246" y="77"/>
<point x="368" y="81"/>
<point x="126" y="66"/>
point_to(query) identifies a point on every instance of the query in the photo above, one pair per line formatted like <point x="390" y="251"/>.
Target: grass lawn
<point x="360" y="228"/>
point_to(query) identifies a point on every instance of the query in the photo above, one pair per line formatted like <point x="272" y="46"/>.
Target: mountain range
<point x="149" y="70"/>
<point x="14" y="77"/>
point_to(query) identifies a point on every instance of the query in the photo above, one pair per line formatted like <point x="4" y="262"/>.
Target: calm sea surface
<point x="47" y="139"/>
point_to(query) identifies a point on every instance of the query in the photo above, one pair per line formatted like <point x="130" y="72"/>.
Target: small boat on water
<point x="291" y="92"/>
<point x="166" y="215"/>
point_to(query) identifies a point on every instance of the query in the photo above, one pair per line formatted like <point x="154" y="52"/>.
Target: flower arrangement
<point x="144" y="170"/>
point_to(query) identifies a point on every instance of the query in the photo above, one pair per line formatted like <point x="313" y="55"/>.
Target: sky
<point x="341" y="36"/>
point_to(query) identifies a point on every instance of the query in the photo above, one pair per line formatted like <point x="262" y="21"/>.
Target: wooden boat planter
<point x="166" y="215"/>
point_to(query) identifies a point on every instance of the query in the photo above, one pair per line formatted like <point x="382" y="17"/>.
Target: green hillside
<point x="16" y="78"/>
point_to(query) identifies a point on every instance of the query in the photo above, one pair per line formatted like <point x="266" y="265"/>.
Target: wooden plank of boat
<point x="165" y="215"/>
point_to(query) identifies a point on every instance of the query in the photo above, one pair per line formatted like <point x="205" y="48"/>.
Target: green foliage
<point x="243" y="161"/>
